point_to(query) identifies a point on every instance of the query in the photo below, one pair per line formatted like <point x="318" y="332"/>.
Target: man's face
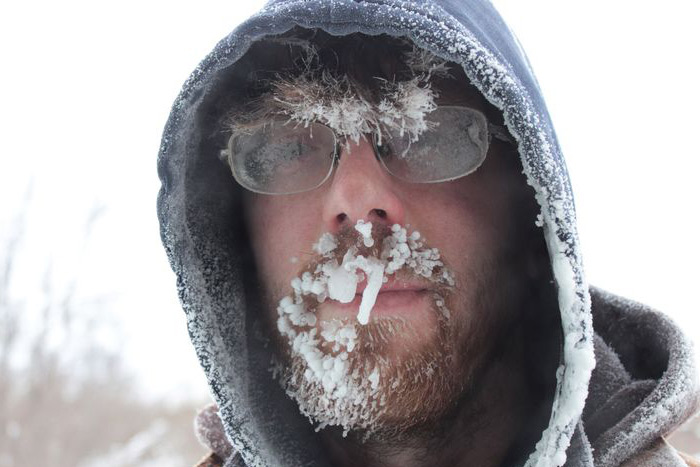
<point x="427" y="359"/>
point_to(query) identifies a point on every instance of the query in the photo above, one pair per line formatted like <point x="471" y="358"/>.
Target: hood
<point x="200" y="222"/>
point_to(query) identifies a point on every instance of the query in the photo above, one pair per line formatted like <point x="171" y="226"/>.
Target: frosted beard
<point x="361" y="372"/>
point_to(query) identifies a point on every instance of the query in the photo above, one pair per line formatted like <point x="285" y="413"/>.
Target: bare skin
<point x="480" y="433"/>
<point x="474" y="221"/>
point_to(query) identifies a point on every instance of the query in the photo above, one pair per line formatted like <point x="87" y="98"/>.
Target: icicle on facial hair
<point x="327" y="391"/>
<point x="342" y="281"/>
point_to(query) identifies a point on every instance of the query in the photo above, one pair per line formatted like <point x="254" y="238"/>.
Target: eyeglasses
<point x="280" y="157"/>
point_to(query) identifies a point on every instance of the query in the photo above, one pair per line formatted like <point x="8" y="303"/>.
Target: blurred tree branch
<point x="72" y="401"/>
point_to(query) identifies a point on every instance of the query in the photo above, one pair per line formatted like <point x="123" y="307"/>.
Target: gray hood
<point x="199" y="211"/>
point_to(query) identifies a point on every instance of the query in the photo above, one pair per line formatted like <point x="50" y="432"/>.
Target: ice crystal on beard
<point x="365" y="229"/>
<point x="325" y="245"/>
<point x="320" y="379"/>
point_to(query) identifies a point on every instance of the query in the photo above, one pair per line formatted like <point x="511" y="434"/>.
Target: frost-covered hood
<point x="199" y="210"/>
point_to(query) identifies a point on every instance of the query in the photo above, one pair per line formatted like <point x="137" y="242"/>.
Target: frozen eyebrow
<point x="250" y="114"/>
<point x="313" y="94"/>
<point x="322" y="97"/>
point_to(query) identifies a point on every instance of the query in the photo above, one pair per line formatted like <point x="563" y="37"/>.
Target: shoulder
<point x="661" y="454"/>
<point x="690" y="461"/>
<point x="212" y="460"/>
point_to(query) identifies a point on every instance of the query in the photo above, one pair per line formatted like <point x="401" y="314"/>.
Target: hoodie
<point x="608" y="413"/>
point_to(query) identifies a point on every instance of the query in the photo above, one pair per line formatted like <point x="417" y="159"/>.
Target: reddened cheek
<point x="281" y="228"/>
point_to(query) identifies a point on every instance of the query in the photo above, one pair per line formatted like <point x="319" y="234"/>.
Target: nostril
<point x="381" y="213"/>
<point x="341" y="217"/>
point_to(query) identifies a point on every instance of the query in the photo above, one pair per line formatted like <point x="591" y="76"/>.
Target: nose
<point x="361" y="189"/>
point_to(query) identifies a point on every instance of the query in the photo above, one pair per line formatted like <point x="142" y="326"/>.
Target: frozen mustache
<point x="328" y="385"/>
<point x="338" y="280"/>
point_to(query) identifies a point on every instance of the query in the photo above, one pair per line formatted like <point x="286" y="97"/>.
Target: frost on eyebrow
<point x="424" y="62"/>
<point x="337" y="103"/>
<point x="314" y="94"/>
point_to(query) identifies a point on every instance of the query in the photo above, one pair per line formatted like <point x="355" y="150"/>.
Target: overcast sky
<point x="87" y="87"/>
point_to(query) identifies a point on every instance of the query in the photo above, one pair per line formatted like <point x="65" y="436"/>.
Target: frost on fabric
<point x="324" y="347"/>
<point x="210" y="431"/>
<point x="573" y="374"/>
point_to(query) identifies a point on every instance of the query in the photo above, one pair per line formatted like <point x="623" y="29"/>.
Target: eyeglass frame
<point x="498" y="132"/>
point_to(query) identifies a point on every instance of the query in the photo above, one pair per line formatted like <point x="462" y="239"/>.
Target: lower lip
<point x="389" y="303"/>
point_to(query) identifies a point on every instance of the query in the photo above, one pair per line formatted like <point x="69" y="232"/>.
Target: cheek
<point x="461" y="220"/>
<point x="280" y="229"/>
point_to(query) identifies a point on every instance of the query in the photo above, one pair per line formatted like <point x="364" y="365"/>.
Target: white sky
<point x="87" y="87"/>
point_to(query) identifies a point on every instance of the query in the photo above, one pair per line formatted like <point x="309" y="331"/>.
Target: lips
<point x="395" y="285"/>
<point x="401" y="301"/>
<point x="395" y="298"/>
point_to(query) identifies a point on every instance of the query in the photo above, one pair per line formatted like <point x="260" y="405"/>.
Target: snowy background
<point x="87" y="87"/>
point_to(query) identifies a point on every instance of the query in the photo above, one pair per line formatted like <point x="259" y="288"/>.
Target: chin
<point x="402" y="373"/>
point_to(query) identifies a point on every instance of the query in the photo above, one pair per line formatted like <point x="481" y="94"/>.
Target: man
<point x="367" y="198"/>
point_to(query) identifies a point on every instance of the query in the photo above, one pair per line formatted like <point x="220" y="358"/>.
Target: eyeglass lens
<point x="280" y="157"/>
